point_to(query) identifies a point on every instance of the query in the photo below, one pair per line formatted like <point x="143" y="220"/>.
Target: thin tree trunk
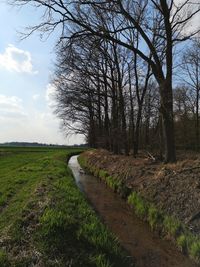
<point x="137" y="132"/>
<point x="106" y="125"/>
<point x="99" y="109"/>
<point x="115" y="123"/>
<point x="121" y="104"/>
<point x="160" y="125"/>
<point x="197" y="114"/>
<point x="132" y="125"/>
<point x="168" y="121"/>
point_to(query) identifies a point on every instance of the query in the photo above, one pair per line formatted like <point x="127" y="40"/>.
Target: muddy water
<point x="146" y="249"/>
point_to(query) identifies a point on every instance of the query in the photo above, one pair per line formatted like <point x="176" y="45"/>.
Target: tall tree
<point x="161" y="24"/>
<point x="191" y="76"/>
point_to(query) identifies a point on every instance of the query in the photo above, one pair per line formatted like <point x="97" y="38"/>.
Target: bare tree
<point x="191" y="76"/>
<point x="160" y="24"/>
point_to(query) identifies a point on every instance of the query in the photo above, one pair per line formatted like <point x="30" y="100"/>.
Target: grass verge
<point x="46" y="220"/>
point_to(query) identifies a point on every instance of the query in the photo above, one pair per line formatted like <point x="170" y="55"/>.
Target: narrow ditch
<point x="144" y="246"/>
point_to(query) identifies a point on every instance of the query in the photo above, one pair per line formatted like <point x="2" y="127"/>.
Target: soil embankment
<point x="174" y="188"/>
<point x="146" y="249"/>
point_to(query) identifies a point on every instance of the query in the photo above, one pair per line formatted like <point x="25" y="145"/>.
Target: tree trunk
<point x="131" y="124"/>
<point x="99" y="111"/>
<point x="147" y="121"/>
<point x="168" y="121"/>
<point x="123" y="119"/>
<point x="197" y="119"/>
<point x="160" y="125"/>
<point x="114" y="116"/>
<point x="137" y="132"/>
<point x="121" y="104"/>
<point x="106" y="123"/>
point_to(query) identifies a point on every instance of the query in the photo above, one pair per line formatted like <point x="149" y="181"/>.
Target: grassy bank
<point x="45" y="220"/>
<point x="167" y="226"/>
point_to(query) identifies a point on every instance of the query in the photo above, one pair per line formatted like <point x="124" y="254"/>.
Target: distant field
<point x="44" y="219"/>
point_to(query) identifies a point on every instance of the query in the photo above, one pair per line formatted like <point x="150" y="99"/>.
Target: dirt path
<point x="146" y="249"/>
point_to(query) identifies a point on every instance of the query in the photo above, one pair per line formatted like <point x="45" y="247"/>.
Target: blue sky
<point x="26" y="112"/>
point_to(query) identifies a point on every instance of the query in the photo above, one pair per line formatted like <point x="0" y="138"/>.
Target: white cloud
<point x="23" y="124"/>
<point x="36" y="97"/>
<point x="17" y="60"/>
<point x="50" y="94"/>
<point x="190" y="7"/>
<point x="11" y="107"/>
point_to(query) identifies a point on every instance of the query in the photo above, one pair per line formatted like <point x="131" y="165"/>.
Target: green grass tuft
<point x="100" y="261"/>
<point x="103" y="174"/>
<point x="4" y="262"/>
<point x="139" y="205"/>
<point x="2" y="201"/>
<point x="182" y="242"/>
<point x="54" y="222"/>
<point x="172" y="226"/>
<point x="155" y="217"/>
<point x="113" y="183"/>
<point x="194" y="250"/>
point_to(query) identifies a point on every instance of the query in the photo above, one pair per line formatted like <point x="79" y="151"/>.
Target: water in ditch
<point x="144" y="246"/>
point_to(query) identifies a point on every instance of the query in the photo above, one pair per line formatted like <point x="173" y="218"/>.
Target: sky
<point x="26" y="93"/>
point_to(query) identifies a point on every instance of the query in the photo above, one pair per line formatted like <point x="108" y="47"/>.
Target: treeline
<point x="28" y="144"/>
<point x="110" y="96"/>
<point x="114" y="75"/>
<point x="36" y="144"/>
<point x="106" y="94"/>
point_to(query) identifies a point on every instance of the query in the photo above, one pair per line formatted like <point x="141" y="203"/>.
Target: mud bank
<point x="167" y="196"/>
<point x="145" y="248"/>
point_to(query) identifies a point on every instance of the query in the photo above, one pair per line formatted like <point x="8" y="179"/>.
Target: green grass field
<point x="44" y="219"/>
